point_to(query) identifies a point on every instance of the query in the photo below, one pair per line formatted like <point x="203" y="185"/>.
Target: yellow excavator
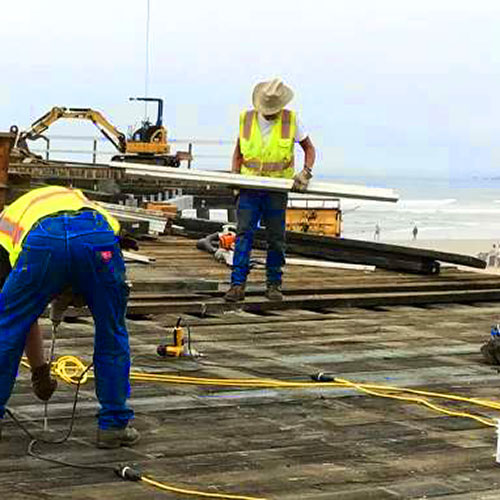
<point x="148" y="144"/>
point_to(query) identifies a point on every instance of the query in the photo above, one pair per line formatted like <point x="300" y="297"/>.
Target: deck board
<point x="310" y="444"/>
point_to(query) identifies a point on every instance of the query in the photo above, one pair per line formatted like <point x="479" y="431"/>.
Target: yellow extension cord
<point x="69" y="369"/>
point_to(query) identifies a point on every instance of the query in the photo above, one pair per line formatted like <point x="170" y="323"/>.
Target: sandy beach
<point x="466" y="247"/>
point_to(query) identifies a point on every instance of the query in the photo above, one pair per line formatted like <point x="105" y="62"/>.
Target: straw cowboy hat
<point x="270" y="97"/>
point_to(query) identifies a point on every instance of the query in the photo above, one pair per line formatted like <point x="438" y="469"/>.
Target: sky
<point x="385" y="88"/>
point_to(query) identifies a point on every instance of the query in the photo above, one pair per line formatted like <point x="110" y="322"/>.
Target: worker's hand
<point x="301" y="180"/>
<point x="128" y="243"/>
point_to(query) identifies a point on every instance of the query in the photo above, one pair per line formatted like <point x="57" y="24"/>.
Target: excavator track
<point x="163" y="160"/>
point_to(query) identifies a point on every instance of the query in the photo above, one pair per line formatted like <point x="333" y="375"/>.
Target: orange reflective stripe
<point x="286" y="117"/>
<point x="267" y="166"/>
<point x="247" y="124"/>
<point x="7" y="226"/>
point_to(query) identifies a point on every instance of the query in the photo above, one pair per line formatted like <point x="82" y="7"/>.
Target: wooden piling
<point x="6" y="142"/>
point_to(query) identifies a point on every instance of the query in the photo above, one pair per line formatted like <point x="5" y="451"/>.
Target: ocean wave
<point x="433" y="203"/>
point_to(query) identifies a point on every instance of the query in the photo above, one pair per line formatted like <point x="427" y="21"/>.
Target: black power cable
<point x="34" y="440"/>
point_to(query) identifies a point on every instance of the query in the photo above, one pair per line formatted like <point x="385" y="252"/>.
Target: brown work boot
<point x="235" y="294"/>
<point x="273" y="292"/>
<point x="41" y="381"/>
<point x="114" y="438"/>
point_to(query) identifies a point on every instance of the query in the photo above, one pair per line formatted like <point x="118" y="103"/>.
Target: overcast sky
<point x="383" y="87"/>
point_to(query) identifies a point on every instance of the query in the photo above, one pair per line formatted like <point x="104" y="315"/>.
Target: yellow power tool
<point x="179" y="347"/>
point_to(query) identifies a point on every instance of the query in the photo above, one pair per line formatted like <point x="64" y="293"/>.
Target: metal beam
<point x="256" y="182"/>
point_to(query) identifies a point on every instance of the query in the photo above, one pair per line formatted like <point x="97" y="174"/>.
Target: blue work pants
<point x="253" y="207"/>
<point x="77" y="249"/>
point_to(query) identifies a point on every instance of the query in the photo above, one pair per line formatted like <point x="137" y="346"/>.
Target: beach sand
<point x="466" y="247"/>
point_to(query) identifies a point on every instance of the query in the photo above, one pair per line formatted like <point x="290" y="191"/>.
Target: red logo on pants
<point x="106" y="256"/>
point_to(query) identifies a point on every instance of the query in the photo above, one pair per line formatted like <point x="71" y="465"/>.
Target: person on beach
<point x="493" y="256"/>
<point x="265" y="147"/>
<point x="51" y="239"/>
<point x="376" y="235"/>
<point x="415" y="232"/>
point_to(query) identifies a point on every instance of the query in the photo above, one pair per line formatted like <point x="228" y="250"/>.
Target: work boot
<point x="273" y="292"/>
<point x="41" y="381"/>
<point x="114" y="438"/>
<point x="235" y="294"/>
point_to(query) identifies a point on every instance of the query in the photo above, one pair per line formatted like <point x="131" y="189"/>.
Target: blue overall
<point x="81" y="250"/>
<point x="270" y="208"/>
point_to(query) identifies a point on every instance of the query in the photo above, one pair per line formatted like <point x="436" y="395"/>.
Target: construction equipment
<point x="314" y="215"/>
<point x="148" y="144"/>
<point x="179" y="347"/>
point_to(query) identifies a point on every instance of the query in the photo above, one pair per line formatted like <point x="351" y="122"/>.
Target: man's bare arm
<point x="237" y="159"/>
<point x="309" y="152"/>
<point x="34" y="346"/>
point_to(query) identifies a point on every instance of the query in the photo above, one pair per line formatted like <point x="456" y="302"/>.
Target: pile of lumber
<point x="381" y="255"/>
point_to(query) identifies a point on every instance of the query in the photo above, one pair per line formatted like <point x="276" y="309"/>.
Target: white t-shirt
<point x="266" y="126"/>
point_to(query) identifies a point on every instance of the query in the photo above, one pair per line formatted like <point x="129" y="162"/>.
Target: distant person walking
<point x="493" y="256"/>
<point x="376" y="235"/>
<point x="415" y="232"/>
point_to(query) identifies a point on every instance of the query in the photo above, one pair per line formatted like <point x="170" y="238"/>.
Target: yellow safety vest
<point x="275" y="158"/>
<point x="17" y="219"/>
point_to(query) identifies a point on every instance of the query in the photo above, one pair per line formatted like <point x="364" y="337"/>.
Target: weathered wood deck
<point x="315" y="444"/>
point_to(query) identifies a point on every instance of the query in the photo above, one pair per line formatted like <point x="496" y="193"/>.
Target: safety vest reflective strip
<point x="286" y="124"/>
<point x="247" y="124"/>
<point x="267" y="166"/>
<point x="8" y="227"/>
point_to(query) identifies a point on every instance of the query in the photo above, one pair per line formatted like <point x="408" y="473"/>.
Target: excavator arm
<point x="43" y="123"/>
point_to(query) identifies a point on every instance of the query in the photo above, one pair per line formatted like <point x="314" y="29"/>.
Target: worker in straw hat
<point x="265" y="147"/>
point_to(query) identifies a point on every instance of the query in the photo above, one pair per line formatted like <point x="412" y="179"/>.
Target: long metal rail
<point x="256" y="182"/>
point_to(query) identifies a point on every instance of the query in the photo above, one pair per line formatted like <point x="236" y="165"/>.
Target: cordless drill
<point x="179" y="347"/>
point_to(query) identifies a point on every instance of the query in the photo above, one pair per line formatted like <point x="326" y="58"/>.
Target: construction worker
<point x="56" y="238"/>
<point x="265" y="147"/>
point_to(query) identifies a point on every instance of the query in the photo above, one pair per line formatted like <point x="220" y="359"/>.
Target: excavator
<point x="148" y="144"/>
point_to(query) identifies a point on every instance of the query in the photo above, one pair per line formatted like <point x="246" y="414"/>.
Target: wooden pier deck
<point x="307" y="444"/>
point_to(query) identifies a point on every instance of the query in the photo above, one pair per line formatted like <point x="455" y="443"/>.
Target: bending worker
<point x="56" y="238"/>
<point x="265" y="147"/>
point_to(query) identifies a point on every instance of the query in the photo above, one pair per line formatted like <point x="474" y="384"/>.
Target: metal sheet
<point x="256" y="182"/>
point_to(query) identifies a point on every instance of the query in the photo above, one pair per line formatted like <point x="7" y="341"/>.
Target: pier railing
<point x="95" y="147"/>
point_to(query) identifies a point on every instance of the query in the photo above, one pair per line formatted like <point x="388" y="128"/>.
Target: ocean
<point x="458" y="209"/>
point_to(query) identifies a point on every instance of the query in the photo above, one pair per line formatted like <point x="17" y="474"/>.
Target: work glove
<point x="301" y="180"/>
<point x="491" y="351"/>
<point x="128" y="243"/>
<point x="41" y="381"/>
